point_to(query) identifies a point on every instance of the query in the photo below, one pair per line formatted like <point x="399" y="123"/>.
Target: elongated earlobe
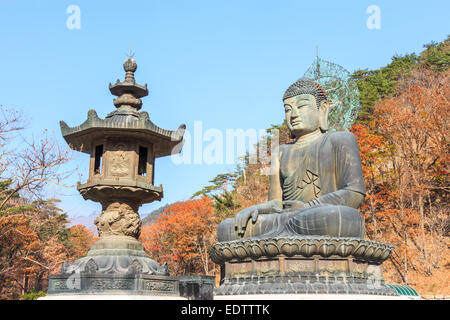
<point x="323" y="115"/>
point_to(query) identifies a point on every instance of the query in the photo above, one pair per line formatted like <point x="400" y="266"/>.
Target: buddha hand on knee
<point x="241" y="219"/>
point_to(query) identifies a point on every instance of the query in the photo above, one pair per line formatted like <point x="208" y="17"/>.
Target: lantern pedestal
<point x="116" y="267"/>
<point x="91" y="286"/>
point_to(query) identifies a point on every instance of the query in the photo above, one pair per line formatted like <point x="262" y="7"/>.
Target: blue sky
<point x="225" y="63"/>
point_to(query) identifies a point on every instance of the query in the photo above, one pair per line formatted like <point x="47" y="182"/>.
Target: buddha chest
<point x="299" y="172"/>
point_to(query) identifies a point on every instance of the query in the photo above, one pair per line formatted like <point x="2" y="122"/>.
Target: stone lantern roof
<point x="126" y="120"/>
<point x="123" y="146"/>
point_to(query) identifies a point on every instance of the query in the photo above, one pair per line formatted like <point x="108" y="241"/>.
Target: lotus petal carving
<point x="255" y="250"/>
<point x="345" y="249"/>
<point x="327" y="248"/>
<point x="308" y="248"/>
<point x="289" y="248"/>
<point x="271" y="248"/>
<point x="360" y="249"/>
<point x="241" y="251"/>
<point x="368" y="254"/>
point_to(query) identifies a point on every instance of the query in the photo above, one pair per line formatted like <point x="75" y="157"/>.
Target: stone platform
<point x="119" y="266"/>
<point x="301" y="266"/>
<point x="314" y="296"/>
<point x="108" y="297"/>
<point x="84" y="285"/>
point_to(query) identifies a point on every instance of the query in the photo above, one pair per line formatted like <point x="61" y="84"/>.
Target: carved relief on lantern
<point x="113" y="159"/>
<point x="120" y="160"/>
<point x="118" y="219"/>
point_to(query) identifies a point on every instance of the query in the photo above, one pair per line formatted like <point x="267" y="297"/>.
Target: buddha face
<point x="302" y="114"/>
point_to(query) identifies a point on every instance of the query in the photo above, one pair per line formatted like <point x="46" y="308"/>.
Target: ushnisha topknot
<point x="306" y="86"/>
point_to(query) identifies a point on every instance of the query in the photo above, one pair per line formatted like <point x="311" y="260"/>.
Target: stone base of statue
<point x="117" y="266"/>
<point x="299" y="266"/>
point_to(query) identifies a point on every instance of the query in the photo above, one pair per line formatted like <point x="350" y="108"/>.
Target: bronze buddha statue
<point x="316" y="183"/>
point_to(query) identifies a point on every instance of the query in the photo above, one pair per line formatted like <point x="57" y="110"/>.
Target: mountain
<point x="154" y="215"/>
<point x="87" y="221"/>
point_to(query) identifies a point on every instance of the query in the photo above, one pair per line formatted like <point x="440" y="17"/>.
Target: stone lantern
<point x="122" y="148"/>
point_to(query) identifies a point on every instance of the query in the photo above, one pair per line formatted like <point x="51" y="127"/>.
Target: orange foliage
<point x="81" y="240"/>
<point x="182" y="236"/>
<point x="405" y="158"/>
<point x="33" y="243"/>
<point x="18" y="246"/>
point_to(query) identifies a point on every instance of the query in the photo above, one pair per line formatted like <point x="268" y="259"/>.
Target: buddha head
<point x="306" y="107"/>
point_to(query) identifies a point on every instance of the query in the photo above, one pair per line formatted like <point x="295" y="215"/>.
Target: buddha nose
<point x="294" y="113"/>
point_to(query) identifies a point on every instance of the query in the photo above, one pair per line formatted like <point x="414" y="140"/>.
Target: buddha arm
<point x="273" y="205"/>
<point x="341" y="197"/>
<point x="349" y="177"/>
<point x="275" y="190"/>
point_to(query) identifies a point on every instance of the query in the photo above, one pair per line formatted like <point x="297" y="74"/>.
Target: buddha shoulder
<point x="283" y="149"/>
<point x="338" y="138"/>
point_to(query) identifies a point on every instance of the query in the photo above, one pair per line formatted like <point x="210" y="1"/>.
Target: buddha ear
<point x="323" y="115"/>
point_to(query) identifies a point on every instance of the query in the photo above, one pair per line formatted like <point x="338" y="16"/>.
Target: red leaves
<point x="182" y="236"/>
<point x="33" y="243"/>
<point x="405" y="157"/>
<point x="81" y="240"/>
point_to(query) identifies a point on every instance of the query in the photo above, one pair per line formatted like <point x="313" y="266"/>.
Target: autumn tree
<point x="34" y="239"/>
<point x="18" y="243"/>
<point x="415" y="124"/>
<point x="80" y="240"/>
<point x="373" y="152"/>
<point x="182" y="237"/>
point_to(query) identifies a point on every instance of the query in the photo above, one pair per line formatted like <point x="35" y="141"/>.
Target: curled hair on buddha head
<point x="306" y="86"/>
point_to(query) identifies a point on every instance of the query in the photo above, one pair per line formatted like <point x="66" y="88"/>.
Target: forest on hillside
<point x="402" y="133"/>
<point x="34" y="236"/>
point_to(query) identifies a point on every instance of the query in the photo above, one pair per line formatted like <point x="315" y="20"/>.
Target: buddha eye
<point x="287" y="108"/>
